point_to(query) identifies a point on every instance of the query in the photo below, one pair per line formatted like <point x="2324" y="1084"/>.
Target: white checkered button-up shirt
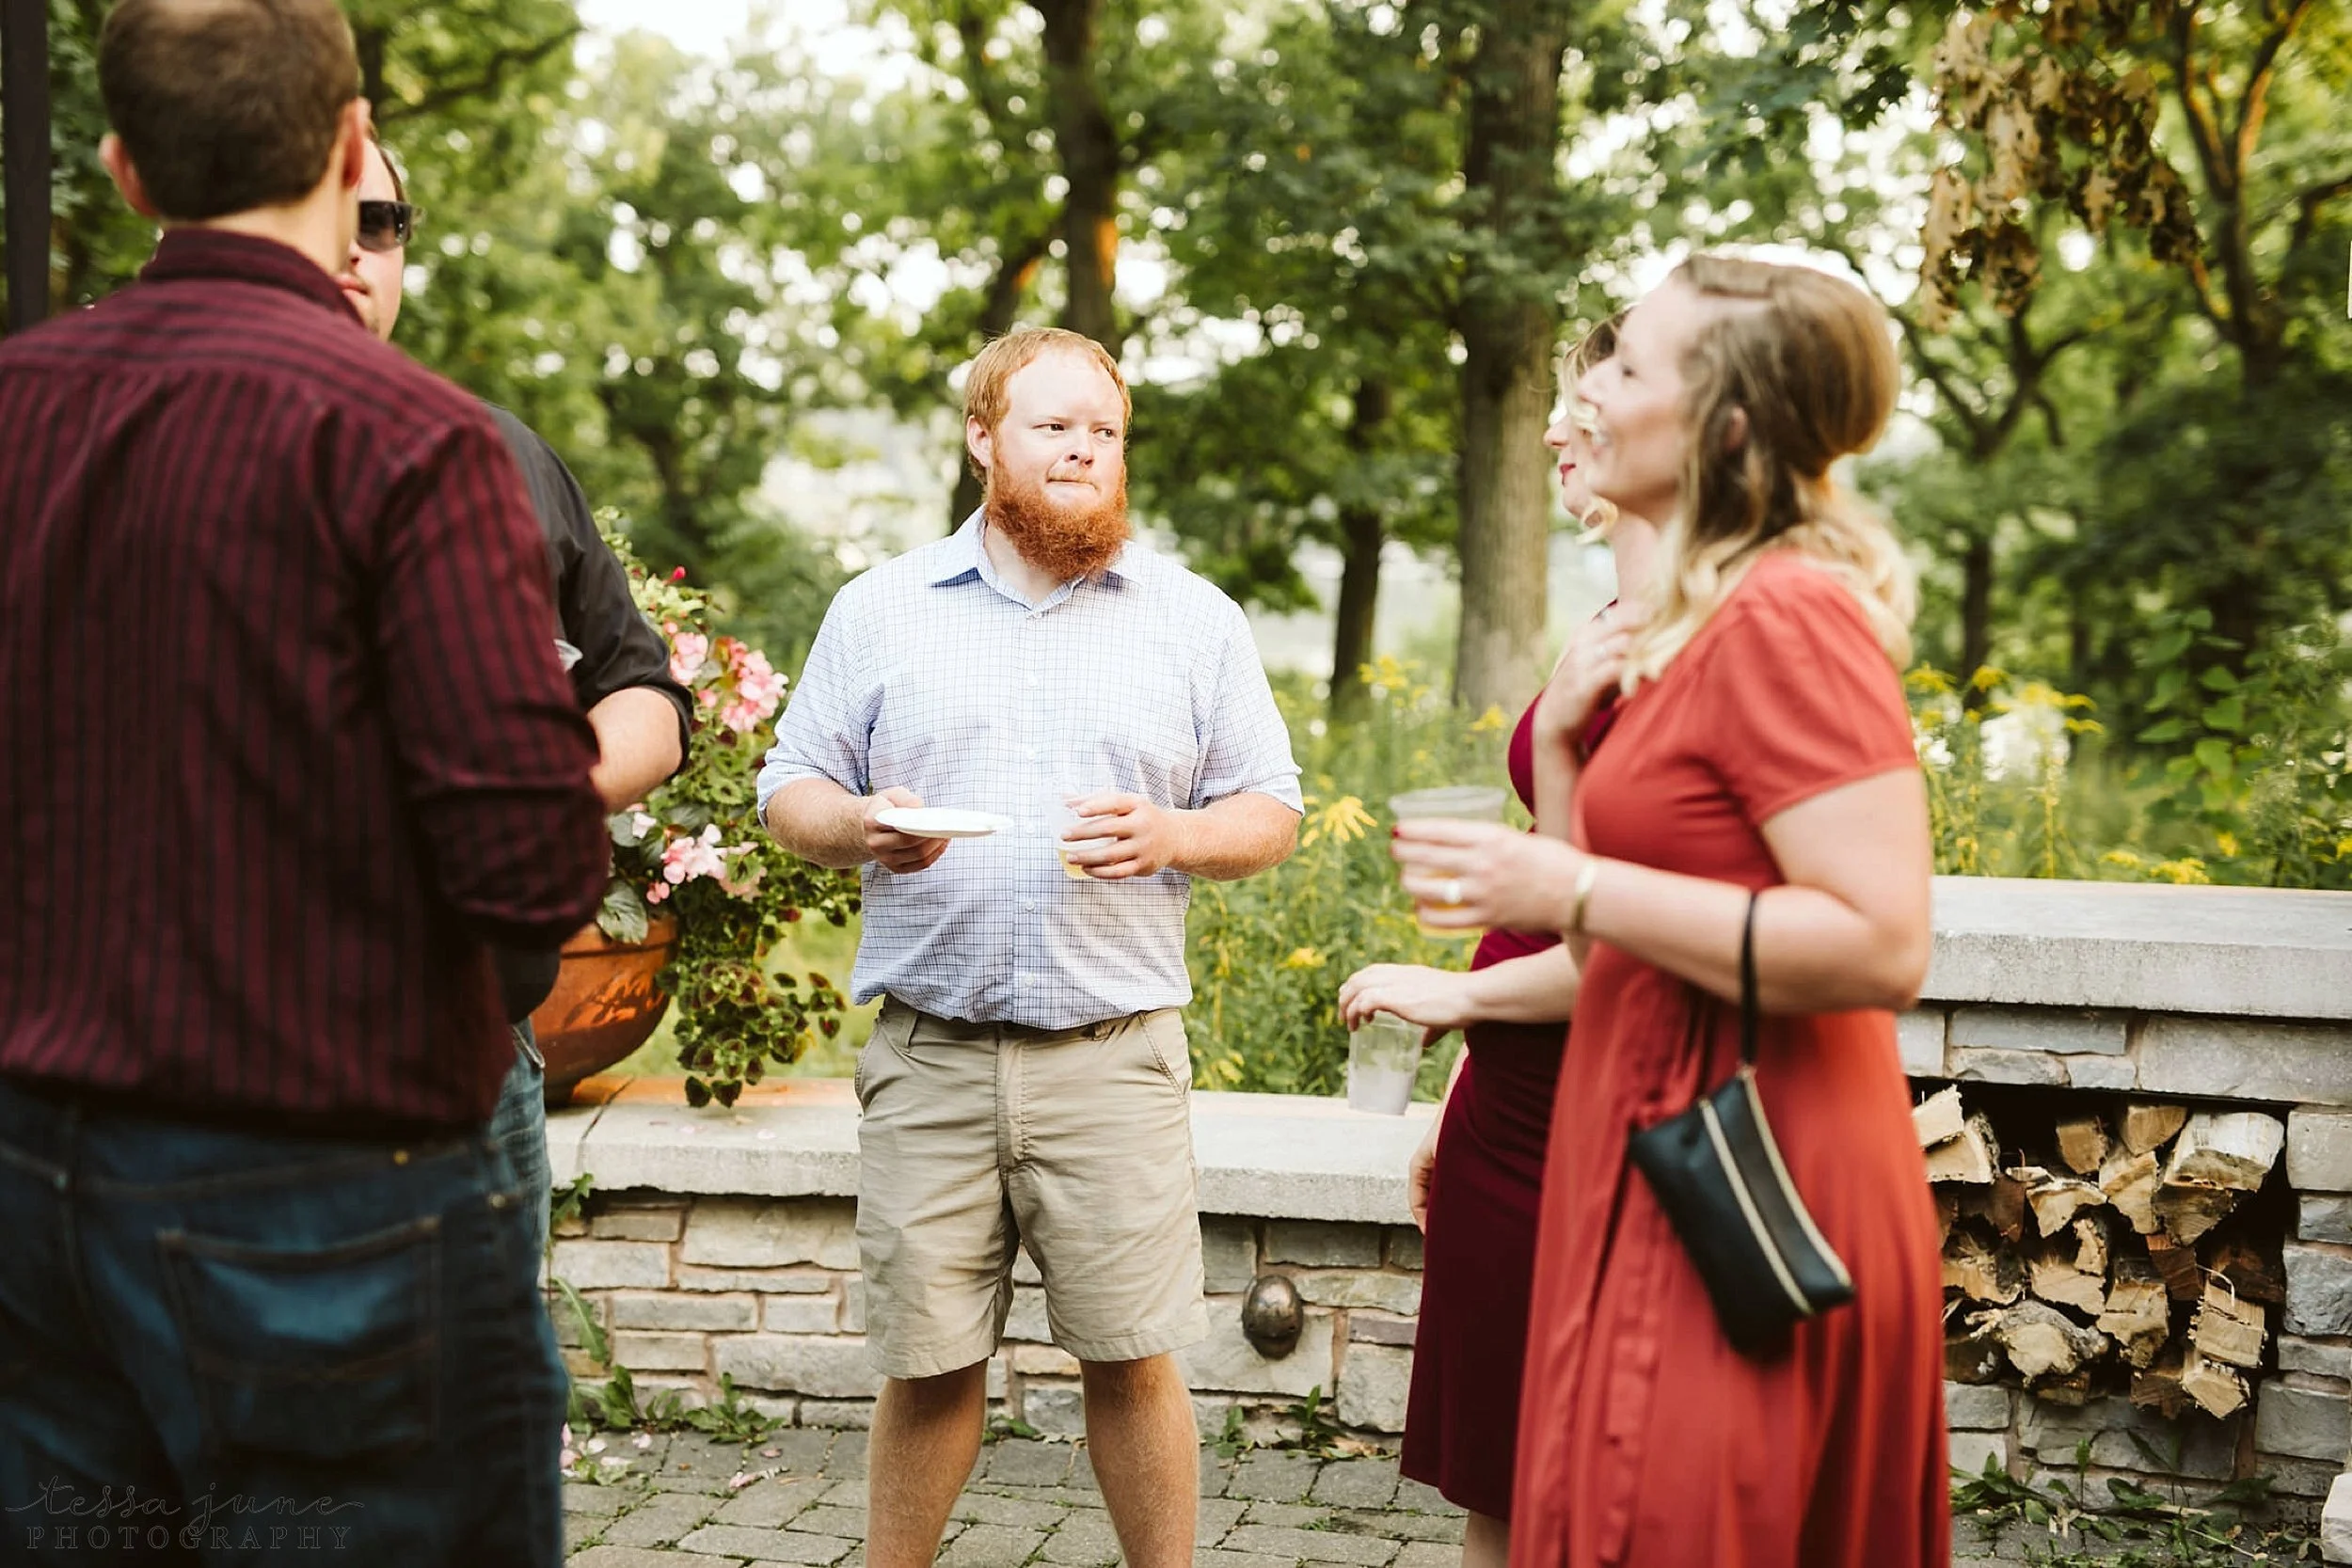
<point x="930" y="674"/>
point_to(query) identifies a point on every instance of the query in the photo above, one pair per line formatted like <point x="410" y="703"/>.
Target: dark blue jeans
<point x="254" y="1348"/>
<point x="521" y="1126"/>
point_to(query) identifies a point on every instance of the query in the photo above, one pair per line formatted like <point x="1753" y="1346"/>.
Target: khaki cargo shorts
<point x="978" y="1138"/>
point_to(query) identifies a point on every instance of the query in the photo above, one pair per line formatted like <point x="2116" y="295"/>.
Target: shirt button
<point x="1029" y="904"/>
<point x="1032" y="682"/>
<point x="1028" y="979"/>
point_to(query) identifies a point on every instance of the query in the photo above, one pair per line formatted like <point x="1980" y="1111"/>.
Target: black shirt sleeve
<point x="619" y="648"/>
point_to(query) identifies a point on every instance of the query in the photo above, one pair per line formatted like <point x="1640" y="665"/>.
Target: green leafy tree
<point x="599" y="260"/>
<point x="1314" y="218"/>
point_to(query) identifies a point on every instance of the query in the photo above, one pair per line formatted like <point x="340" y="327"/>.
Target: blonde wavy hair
<point x="1809" y="361"/>
<point x="1599" y="516"/>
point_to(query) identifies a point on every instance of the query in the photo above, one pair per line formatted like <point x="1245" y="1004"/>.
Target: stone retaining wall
<point x="767" y="1293"/>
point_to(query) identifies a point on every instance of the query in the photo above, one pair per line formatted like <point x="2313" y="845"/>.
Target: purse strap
<point x="1747" y="985"/>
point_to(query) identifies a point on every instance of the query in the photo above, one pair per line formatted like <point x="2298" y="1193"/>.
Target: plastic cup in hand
<point x="1383" y="1056"/>
<point x="1064" y="816"/>
<point x="1460" y="803"/>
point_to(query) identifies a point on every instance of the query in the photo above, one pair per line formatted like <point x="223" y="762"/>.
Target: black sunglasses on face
<point x="386" y="225"/>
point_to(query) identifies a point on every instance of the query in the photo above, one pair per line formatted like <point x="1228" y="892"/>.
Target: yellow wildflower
<point x="1342" y="822"/>
<point x="1303" y="958"/>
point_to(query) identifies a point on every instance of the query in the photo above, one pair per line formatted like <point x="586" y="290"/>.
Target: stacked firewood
<point x="2094" y="1263"/>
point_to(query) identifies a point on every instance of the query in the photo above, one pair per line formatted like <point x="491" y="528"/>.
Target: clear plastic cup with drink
<point x="1063" y="813"/>
<point x="1458" y="803"/>
<point x="1383" y="1057"/>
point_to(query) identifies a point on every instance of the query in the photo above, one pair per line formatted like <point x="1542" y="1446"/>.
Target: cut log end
<point x="2056" y="1199"/>
<point x="2176" y="1265"/>
<point x="2083" y="1143"/>
<point x="2158" y="1388"/>
<point x="2043" y="1342"/>
<point x="2229" y="1328"/>
<point x="2216" y="1389"/>
<point x="1971" y="1156"/>
<point x="2187" y="1210"/>
<point x="2138" y="1316"/>
<point x="2130" y="1182"/>
<point x="1981" y="1270"/>
<point x="2146" y="1127"/>
<point x="2232" y="1150"/>
<point x="1939" y="1118"/>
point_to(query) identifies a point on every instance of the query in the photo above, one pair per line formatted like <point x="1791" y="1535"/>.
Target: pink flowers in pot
<point x="730" y="680"/>
<point x="694" y="850"/>
<point x="685" y="858"/>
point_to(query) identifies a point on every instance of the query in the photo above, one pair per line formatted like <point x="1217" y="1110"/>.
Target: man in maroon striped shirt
<point x="288" y="748"/>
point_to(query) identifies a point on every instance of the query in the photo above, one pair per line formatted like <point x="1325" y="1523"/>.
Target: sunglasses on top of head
<point x="386" y="225"/>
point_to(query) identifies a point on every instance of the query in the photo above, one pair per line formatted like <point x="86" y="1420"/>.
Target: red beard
<point x="1063" y="542"/>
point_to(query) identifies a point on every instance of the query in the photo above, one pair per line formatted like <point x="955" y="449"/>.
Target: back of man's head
<point x="226" y="105"/>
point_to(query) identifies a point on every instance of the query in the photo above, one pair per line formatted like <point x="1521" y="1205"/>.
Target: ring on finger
<point x="1449" y="890"/>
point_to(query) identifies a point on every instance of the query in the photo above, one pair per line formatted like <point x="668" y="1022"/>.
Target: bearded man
<point x="1026" y="1083"/>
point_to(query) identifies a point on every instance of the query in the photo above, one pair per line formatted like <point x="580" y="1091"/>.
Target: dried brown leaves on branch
<point x="2050" y="108"/>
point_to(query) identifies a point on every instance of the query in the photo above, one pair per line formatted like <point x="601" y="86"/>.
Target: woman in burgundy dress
<point x="1763" y="753"/>
<point x="1477" y="1178"/>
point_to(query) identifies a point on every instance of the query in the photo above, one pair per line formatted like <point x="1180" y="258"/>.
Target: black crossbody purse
<point x="1718" y="1177"/>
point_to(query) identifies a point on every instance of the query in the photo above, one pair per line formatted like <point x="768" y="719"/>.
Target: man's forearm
<point x="637" y="744"/>
<point x="1238" y="837"/>
<point x="819" y="821"/>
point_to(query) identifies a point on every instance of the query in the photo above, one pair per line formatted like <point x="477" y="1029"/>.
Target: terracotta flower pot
<point x="605" y="1003"/>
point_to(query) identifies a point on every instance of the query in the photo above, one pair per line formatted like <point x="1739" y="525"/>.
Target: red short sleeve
<point x="1798" y="696"/>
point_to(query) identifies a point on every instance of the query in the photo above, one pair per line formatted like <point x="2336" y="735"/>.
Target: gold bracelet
<point x="1586" y="875"/>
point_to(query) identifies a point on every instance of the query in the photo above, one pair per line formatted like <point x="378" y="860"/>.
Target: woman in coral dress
<point x="1478" y="1177"/>
<point x="1762" y="748"/>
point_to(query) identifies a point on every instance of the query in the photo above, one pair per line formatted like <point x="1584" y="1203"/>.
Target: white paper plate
<point x="941" y="822"/>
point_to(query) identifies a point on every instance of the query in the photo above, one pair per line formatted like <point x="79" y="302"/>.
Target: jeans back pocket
<point x="322" y="1352"/>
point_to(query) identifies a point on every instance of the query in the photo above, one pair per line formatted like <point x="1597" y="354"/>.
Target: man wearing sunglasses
<point x="621" y="673"/>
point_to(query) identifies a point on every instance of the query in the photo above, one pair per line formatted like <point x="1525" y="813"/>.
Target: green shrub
<point x="1268" y="953"/>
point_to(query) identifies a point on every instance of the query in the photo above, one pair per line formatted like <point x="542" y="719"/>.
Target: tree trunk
<point x="1976" y="614"/>
<point x="1361" y="541"/>
<point x="1088" y="149"/>
<point x="371" y="40"/>
<point x="1362" y="537"/>
<point x="1506" y="320"/>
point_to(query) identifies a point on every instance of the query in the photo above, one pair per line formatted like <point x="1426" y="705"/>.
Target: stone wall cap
<point x="2142" y="947"/>
<point x="1273" y="1155"/>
